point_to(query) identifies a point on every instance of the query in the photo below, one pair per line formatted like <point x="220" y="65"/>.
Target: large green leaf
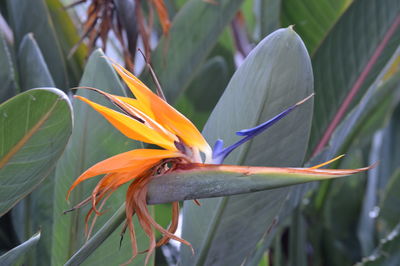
<point x="36" y="210"/>
<point x="33" y="70"/>
<point x="12" y="256"/>
<point x="35" y="128"/>
<point x="313" y="19"/>
<point x="7" y="73"/>
<point x="349" y="60"/>
<point x="275" y="75"/>
<point x="367" y="116"/>
<point x="194" y="32"/>
<point x="33" y="16"/>
<point x="370" y="114"/>
<point x="93" y="139"/>
<point x="68" y="37"/>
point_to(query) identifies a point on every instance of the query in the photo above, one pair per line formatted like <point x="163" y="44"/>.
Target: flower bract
<point x="150" y="119"/>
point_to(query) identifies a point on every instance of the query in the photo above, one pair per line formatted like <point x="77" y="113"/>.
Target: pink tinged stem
<point x="357" y="85"/>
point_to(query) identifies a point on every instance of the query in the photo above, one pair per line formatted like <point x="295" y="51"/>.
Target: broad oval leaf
<point x="35" y="127"/>
<point x="275" y="75"/>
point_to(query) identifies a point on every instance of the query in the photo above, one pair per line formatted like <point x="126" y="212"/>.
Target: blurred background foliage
<point x="208" y="55"/>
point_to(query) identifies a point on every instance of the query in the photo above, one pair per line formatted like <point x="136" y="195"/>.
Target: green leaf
<point x="93" y="139"/>
<point x="101" y="235"/>
<point x="33" y="70"/>
<point x="30" y="148"/>
<point x="68" y="36"/>
<point x="194" y="32"/>
<point x="275" y="75"/>
<point x="387" y="253"/>
<point x="362" y="42"/>
<point x="36" y="210"/>
<point x="367" y="116"/>
<point x="298" y="239"/>
<point x="33" y="16"/>
<point x="12" y="256"/>
<point x="313" y="19"/>
<point x="339" y="218"/>
<point x="204" y="91"/>
<point x="389" y="155"/>
<point x="367" y="220"/>
<point x="267" y="14"/>
<point x="7" y="73"/>
<point x="389" y="208"/>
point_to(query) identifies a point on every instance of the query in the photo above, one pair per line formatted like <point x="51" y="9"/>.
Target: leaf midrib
<point x="27" y="136"/>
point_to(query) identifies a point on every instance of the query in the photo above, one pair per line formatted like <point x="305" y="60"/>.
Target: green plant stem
<point x="105" y="231"/>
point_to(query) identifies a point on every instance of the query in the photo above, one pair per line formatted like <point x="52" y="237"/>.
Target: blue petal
<point x="219" y="153"/>
<point x="260" y="128"/>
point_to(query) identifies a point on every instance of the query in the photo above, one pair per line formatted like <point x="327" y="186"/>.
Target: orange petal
<point x="131" y="127"/>
<point x="138" y="105"/>
<point x="328" y="162"/>
<point x="164" y="113"/>
<point x="133" y="108"/>
<point x="134" y="162"/>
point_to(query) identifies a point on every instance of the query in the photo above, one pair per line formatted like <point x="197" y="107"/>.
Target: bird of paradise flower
<point x="150" y="119"/>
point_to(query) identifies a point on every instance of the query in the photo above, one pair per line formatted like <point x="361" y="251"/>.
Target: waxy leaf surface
<point x="274" y="76"/>
<point x="35" y="127"/>
<point x="363" y="40"/>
